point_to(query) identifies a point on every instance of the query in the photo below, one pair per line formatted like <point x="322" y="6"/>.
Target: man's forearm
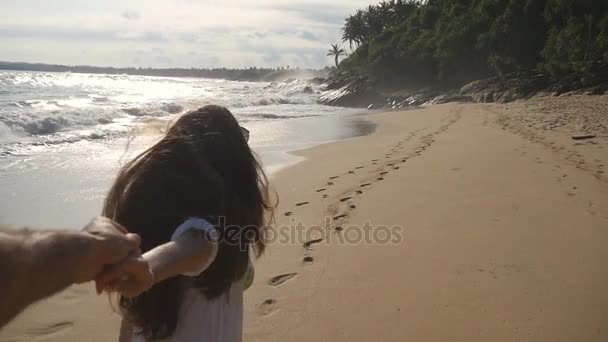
<point x="35" y="265"/>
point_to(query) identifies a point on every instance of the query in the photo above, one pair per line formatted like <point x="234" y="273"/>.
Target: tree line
<point x="449" y="42"/>
<point x="246" y="74"/>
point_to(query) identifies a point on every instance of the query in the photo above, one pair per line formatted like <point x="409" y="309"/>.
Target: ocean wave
<point x="155" y="111"/>
<point x="268" y="116"/>
<point x="23" y="148"/>
<point x="273" y="101"/>
<point x="50" y="108"/>
<point x="6" y="134"/>
<point x="35" y="117"/>
<point x="29" y="121"/>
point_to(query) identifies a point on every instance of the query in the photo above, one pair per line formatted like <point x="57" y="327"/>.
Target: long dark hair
<point x="202" y="167"/>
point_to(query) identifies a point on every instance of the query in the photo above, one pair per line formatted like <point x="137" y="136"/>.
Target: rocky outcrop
<point x="356" y="94"/>
<point x="509" y="88"/>
<point x="525" y="84"/>
<point x="344" y="89"/>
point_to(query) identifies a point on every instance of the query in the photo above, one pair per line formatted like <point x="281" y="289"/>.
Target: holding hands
<point x="188" y="254"/>
<point x="102" y="242"/>
<point x="130" y="278"/>
<point x="112" y="258"/>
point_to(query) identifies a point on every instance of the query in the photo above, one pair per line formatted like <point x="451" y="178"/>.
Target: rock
<point x="356" y="94"/>
<point x="490" y="97"/>
<point x="452" y="98"/>
<point x="508" y="96"/>
<point x="308" y="90"/>
<point x="508" y="88"/>
<point x="317" y="80"/>
<point x="348" y="89"/>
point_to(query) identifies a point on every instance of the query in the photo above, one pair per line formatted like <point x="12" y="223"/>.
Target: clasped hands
<point x="113" y="260"/>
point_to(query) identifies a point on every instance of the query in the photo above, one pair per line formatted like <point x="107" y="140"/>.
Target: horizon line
<point x="285" y="67"/>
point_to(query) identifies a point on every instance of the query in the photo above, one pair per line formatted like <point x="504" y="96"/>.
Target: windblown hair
<point x="202" y="167"/>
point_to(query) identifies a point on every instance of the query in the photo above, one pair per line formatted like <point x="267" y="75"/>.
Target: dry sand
<point x="498" y="225"/>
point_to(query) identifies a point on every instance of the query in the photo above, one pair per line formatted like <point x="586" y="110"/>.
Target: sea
<point x="63" y="136"/>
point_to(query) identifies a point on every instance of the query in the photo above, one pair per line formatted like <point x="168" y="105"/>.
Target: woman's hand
<point x="130" y="278"/>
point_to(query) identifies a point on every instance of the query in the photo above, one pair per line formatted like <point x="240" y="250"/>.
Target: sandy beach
<point x="486" y="223"/>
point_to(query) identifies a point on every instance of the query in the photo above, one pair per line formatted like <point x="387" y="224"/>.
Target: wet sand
<point x="483" y="227"/>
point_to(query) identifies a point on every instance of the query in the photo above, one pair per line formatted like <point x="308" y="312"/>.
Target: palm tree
<point x="336" y="51"/>
<point x="355" y="30"/>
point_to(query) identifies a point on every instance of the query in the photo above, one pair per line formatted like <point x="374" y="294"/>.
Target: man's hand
<point x="107" y="243"/>
<point x="35" y="264"/>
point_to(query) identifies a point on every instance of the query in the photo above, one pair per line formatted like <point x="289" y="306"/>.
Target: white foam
<point x="57" y="107"/>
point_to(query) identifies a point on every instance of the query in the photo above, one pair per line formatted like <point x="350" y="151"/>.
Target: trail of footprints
<point x="340" y="209"/>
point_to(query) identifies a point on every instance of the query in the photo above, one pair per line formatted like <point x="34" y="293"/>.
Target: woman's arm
<point x="189" y="254"/>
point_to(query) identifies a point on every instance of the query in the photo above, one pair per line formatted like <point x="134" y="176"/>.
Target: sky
<point x="173" y="33"/>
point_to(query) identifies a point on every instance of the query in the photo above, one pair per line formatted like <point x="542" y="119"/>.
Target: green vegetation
<point x="249" y="74"/>
<point x="336" y="51"/>
<point x="446" y="43"/>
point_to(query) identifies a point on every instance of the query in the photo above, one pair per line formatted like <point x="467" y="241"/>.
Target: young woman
<point x="199" y="201"/>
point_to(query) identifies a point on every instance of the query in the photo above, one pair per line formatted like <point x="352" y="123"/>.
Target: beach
<point x="64" y="136"/>
<point x="459" y="222"/>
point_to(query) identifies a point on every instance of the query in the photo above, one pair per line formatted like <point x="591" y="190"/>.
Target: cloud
<point x="54" y="34"/>
<point x="141" y="36"/>
<point x="189" y="33"/>
<point x="131" y="15"/>
<point x="318" y="13"/>
<point x="307" y="35"/>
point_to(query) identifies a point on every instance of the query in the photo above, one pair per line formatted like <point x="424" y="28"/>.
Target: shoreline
<point x="64" y="185"/>
<point x="502" y="234"/>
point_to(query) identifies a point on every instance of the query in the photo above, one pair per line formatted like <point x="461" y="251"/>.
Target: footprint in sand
<point x="351" y="172"/>
<point x="267" y="307"/>
<point x="383" y="173"/>
<point x="339" y="228"/>
<point x="49" y="329"/>
<point x="321" y="190"/>
<point x="308" y="259"/>
<point x="366" y="184"/>
<point x="359" y="192"/>
<point x="380" y="178"/>
<point x="345" y="199"/>
<point x="359" y="167"/>
<point x="330" y="183"/>
<point x="280" y="279"/>
<point x="352" y="206"/>
<point x="325" y="196"/>
<point x="396" y="168"/>
<point x="339" y="217"/>
<point x="301" y="204"/>
<point x="334" y="177"/>
<point x="307" y="244"/>
<point x="288" y="213"/>
<point x="374" y="160"/>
